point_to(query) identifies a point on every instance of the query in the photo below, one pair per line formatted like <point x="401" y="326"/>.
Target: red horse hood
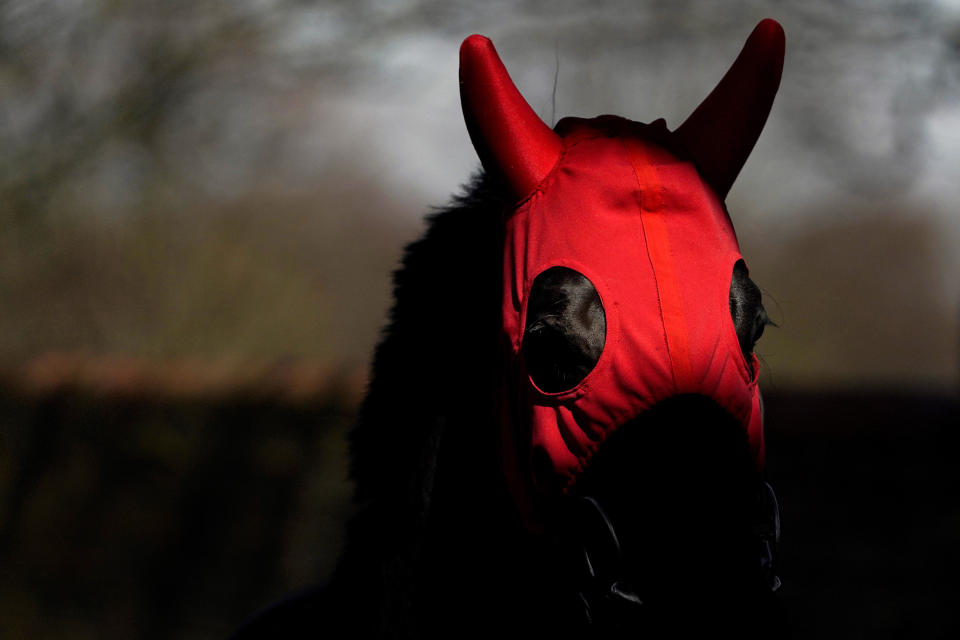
<point x="659" y="249"/>
<point x="635" y="209"/>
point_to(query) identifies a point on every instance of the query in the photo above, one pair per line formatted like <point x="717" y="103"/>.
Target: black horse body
<point x="666" y="532"/>
<point x="437" y="549"/>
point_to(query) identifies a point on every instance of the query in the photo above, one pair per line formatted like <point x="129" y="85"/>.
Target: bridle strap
<point x="594" y="553"/>
<point x="769" y="533"/>
<point x="597" y="562"/>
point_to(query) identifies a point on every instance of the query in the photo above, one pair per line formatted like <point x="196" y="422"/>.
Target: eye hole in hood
<point x="746" y="309"/>
<point x="565" y="329"/>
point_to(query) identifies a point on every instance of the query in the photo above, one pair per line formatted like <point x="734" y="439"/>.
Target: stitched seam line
<point x="661" y="261"/>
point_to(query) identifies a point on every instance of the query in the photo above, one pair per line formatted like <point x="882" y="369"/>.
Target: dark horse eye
<point x="746" y="309"/>
<point x="565" y="329"/>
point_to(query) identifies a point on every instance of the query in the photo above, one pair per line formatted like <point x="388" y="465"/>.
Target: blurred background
<point x="201" y="203"/>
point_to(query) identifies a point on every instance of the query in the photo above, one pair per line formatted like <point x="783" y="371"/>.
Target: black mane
<point x="435" y="368"/>
<point x="436" y="544"/>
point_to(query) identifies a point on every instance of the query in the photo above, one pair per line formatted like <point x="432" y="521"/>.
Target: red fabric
<point x="721" y="132"/>
<point x="652" y="237"/>
<point x="637" y="210"/>
<point x="509" y="137"/>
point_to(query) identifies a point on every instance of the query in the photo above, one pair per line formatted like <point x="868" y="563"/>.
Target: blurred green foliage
<point x="263" y="277"/>
<point x="237" y="179"/>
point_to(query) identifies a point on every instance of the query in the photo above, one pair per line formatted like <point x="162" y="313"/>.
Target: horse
<point x="562" y="431"/>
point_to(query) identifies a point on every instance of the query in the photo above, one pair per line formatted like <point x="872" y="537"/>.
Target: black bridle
<point x="593" y="552"/>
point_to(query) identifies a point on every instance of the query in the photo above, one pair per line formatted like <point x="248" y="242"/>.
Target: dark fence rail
<point x="870" y="490"/>
<point x="170" y="501"/>
<point x="165" y="501"/>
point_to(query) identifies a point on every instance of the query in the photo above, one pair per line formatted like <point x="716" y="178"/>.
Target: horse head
<point x="562" y="434"/>
<point x="628" y="325"/>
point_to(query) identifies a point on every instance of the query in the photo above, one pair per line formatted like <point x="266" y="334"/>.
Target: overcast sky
<point x="867" y="123"/>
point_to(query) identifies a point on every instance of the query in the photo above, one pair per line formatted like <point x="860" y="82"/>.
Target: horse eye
<point x="759" y="323"/>
<point x="565" y="329"/>
<point x="746" y="309"/>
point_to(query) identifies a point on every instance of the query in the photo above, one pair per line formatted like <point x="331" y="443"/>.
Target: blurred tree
<point x="236" y="179"/>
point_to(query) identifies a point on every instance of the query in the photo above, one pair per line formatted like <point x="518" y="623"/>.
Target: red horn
<point x="722" y="131"/>
<point x="511" y="140"/>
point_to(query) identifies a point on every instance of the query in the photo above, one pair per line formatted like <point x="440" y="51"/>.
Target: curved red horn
<point x="722" y="131"/>
<point x="509" y="137"/>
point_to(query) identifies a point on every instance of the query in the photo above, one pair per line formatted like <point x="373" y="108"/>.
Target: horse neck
<point x="424" y="453"/>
